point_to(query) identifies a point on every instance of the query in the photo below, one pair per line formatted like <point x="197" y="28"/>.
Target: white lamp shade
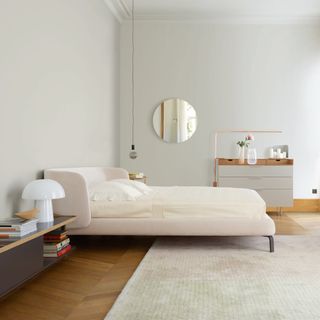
<point x="44" y="189"/>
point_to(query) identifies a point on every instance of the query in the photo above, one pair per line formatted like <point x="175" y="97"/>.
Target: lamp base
<point x="45" y="213"/>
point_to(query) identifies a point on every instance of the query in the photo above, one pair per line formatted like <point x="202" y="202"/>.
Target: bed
<point x="167" y="211"/>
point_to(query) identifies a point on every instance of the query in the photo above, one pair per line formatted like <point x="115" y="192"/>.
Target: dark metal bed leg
<point x="271" y="243"/>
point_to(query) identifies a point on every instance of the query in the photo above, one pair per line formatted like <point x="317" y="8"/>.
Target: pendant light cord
<point x="132" y="75"/>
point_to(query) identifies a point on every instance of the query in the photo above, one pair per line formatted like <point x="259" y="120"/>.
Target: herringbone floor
<point x="85" y="285"/>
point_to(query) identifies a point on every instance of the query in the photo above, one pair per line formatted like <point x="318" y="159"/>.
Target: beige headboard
<point x="76" y="182"/>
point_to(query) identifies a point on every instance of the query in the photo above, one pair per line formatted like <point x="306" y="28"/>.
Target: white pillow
<point x="113" y="191"/>
<point x="142" y="187"/>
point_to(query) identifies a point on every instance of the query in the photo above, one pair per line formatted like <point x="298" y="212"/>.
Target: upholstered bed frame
<point x="76" y="182"/>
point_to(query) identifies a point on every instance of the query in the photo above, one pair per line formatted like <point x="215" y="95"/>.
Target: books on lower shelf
<point x="17" y="227"/>
<point x="56" y="244"/>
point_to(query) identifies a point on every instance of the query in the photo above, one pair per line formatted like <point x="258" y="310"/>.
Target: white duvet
<point x="181" y="202"/>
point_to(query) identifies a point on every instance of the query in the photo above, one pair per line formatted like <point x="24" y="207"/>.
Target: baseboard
<point x="300" y="205"/>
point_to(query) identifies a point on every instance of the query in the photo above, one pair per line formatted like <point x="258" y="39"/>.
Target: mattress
<point x="185" y="202"/>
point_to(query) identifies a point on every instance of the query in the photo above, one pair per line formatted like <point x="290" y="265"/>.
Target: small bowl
<point x="28" y="214"/>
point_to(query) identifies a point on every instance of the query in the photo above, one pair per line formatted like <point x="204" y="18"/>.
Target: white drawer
<point x="256" y="183"/>
<point x="254" y="170"/>
<point x="277" y="198"/>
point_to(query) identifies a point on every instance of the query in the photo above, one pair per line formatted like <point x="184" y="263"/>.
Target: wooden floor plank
<point x="85" y="285"/>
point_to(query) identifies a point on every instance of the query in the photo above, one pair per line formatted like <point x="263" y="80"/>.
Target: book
<point x="57" y="254"/>
<point x="54" y="247"/>
<point x="54" y="241"/>
<point x="55" y="238"/>
<point x="17" y="227"/>
<point x="11" y="221"/>
<point x="8" y="235"/>
<point x="17" y="223"/>
<point x="7" y="229"/>
<point x="57" y="232"/>
<point x="16" y="230"/>
<point x="17" y="233"/>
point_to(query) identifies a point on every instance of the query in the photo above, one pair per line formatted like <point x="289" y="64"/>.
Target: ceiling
<point x="217" y="9"/>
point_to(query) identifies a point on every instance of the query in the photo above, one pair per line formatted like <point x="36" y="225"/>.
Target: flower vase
<point x="252" y="156"/>
<point x="241" y="155"/>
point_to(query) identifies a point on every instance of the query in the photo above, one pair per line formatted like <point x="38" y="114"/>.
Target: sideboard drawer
<point x="273" y="181"/>
<point x="256" y="183"/>
<point x="277" y="197"/>
<point x="255" y="170"/>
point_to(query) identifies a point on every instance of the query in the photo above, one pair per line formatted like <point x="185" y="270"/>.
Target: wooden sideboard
<point x="271" y="178"/>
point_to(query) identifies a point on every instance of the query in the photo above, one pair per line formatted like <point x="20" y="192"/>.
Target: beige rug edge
<point x="227" y="247"/>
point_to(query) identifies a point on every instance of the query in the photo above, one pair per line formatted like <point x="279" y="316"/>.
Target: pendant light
<point x="133" y="153"/>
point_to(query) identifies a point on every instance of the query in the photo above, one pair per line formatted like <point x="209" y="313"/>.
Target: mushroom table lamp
<point x="43" y="191"/>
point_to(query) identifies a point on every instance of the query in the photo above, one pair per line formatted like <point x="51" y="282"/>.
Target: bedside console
<point x="22" y="259"/>
<point x="272" y="179"/>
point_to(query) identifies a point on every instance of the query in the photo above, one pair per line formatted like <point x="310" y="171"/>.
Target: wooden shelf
<point x="22" y="259"/>
<point x="260" y="162"/>
<point x="42" y="228"/>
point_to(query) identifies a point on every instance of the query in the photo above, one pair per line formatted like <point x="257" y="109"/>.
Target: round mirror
<point x="175" y="120"/>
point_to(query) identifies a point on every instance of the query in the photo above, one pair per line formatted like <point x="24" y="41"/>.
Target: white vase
<point x="252" y="156"/>
<point x="241" y="155"/>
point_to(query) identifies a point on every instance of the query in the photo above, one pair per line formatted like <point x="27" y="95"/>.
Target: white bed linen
<point x="140" y="208"/>
<point x="182" y="202"/>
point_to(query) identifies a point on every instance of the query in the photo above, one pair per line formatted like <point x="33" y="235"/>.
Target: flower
<point x="249" y="137"/>
<point x="246" y="141"/>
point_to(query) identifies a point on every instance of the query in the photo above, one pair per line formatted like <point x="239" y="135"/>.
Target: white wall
<point x="59" y="90"/>
<point x="235" y="76"/>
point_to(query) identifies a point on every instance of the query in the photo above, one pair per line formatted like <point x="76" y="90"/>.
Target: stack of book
<point x="16" y="227"/>
<point x="56" y="244"/>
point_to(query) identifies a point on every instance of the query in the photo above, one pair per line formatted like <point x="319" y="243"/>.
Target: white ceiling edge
<point x="122" y="12"/>
<point x="119" y="9"/>
<point x="232" y="19"/>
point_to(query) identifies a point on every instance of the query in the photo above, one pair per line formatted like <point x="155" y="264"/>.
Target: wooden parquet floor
<point x="85" y="285"/>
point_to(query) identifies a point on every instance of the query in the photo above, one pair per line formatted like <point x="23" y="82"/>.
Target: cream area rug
<point x="224" y="278"/>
